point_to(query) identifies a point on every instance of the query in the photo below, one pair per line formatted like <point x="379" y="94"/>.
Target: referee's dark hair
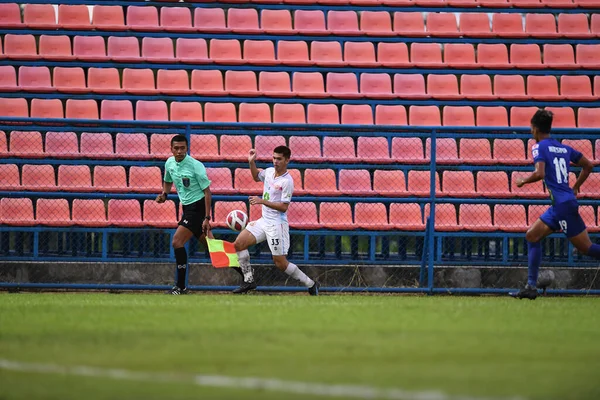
<point x="179" y="138"/>
<point x="284" y="151"/>
<point x="542" y="120"/>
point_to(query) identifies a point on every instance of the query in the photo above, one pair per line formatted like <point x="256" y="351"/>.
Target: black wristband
<point x="207" y="218"/>
<point x="164" y="194"/>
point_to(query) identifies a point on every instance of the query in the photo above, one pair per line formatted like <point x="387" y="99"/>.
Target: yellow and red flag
<point x="222" y="253"/>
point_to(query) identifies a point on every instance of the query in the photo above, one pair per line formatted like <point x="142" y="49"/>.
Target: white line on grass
<point x="231" y="382"/>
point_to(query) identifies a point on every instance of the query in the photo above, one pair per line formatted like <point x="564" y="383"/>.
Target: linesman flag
<point x="222" y="253"/>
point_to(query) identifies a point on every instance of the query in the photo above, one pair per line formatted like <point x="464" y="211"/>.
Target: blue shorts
<point x="564" y="216"/>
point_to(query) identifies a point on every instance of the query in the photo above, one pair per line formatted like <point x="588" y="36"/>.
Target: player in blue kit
<point x="552" y="164"/>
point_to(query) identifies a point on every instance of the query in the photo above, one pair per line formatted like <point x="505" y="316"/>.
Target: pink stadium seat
<point x="589" y="118"/>
<point x="476" y="87"/>
<point x="408" y="150"/>
<point x="241" y="83"/>
<point x="186" y="111"/>
<point x="220" y="112"/>
<point x="510" y="217"/>
<point x="442" y="24"/>
<point x="521" y="116"/>
<point x="277" y="22"/>
<point x="574" y="26"/>
<point x="510" y="151"/>
<point x="359" y="54"/>
<point x="235" y="147"/>
<point x="20" y="47"/>
<point x="460" y="55"/>
<point x="38" y="178"/>
<point x="576" y="88"/>
<point x="221" y="180"/>
<point x="510" y="87"/>
<point x="97" y="145"/>
<point x="226" y="51"/>
<point x="492" y="116"/>
<point x="493" y="56"/>
<point x="410" y="86"/>
<point x="589" y="218"/>
<point x="160" y="215"/>
<point x="132" y="146"/>
<point x="559" y="56"/>
<point x="81" y="109"/>
<point x="123" y="49"/>
<point x="475" y="217"/>
<point x="62" y="144"/>
<point x="355" y="182"/>
<point x="303" y="215"/>
<point x="305" y="148"/>
<point x="89" y="213"/>
<point x="371" y="216"/>
<point x="89" y="48"/>
<point x="69" y="80"/>
<point x="508" y="25"/>
<point x="418" y="183"/>
<point x="110" y="179"/>
<point x="533" y="190"/>
<point x="526" y="56"/>
<point x="55" y="47"/>
<point x="8" y="78"/>
<point x="10" y="179"/>
<point x="342" y="85"/>
<point x="458" y="116"/>
<point x="10" y="15"/>
<point x="445" y="217"/>
<point x="297" y="178"/>
<point x="142" y="18"/>
<point x="145" y="179"/>
<point x="39" y="16"/>
<point x="390" y="115"/>
<point x="176" y="19"/>
<point x="151" y="110"/>
<point x="426" y="55"/>
<point x="342" y="22"/>
<point x="274" y="84"/>
<point x="492" y="184"/>
<point x="244" y="183"/>
<point x="259" y="52"/>
<point x="476" y="151"/>
<point x="173" y="82"/>
<point x="542" y="87"/>
<point x="125" y="213"/>
<point x="458" y="184"/>
<point x="159" y="50"/>
<point x="376" y="85"/>
<point x="310" y="22"/>
<point x="326" y="53"/>
<point x="376" y="23"/>
<point x="205" y="147"/>
<point x="26" y="144"/>
<point x="47" y="108"/>
<point x="564" y="117"/>
<point x="406" y="217"/>
<point x="424" y="116"/>
<point x="541" y="25"/>
<point x="208" y="82"/>
<point x="320" y="182"/>
<point x="255" y="113"/>
<point x="293" y="52"/>
<point x="389" y="183"/>
<point x="323" y="114"/>
<point x="3" y="145"/>
<point x="357" y="114"/>
<point x="582" y="145"/>
<point x="336" y="216"/>
<point x="139" y="81"/>
<point x="475" y="25"/>
<point x="35" y="79"/>
<point x="192" y="50"/>
<point x="339" y="149"/>
<point x="264" y="146"/>
<point x="243" y="20"/>
<point x="53" y="212"/>
<point x="289" y="114"/>
<point x="409" y="24"/>
<point x="210" y="20"/>
<point x="393" y="55"/>
<point x="109" y="18"/>
<point x="16" y="211"/>
<point x="14" y="108"/>
<point x="116" y="110"/>
<point x="74" y="178"/>
<point x="591" y="187"/>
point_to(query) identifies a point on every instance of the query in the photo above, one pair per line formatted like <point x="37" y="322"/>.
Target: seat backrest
<point x="342" y="21"/>
<point x="317" y="181"/>
<point x="82" y="109"/>
<point x="492" y="116"/>
<point x="74" y="177"/>
<point x="308" y="83"/>
<point x="338" y="147"/>
<point x="240" y="81"/>
<point x="235" y="147"/>
<point x="264" y="146"/>
<point x="371" y="215"/>
<point x="357" y="114"/>
<point x="354" y="180"/>
<point x="151" y="110"/>
<point x="62" y="144"/>
<point x="124" y="212"/>
<point x="134" y="79"/>
<point x="16" y="211"/>
<point x="290" y="52"/>
<point x="588" y="118"/>
<point x="175" y="18"/>
<point x="220" y="112"/>
<point x="289" y="114"/>
<point x="26" y="144"/>
<point x="418" y="182"/>
<point x="10" y="15"/>
<point x="39" y="16"/>
<point x="144" y="179"/>
<point x="475" y="216"/>
<point x="424" y="115"/>
<point x="55" y="46"/>
<point x="14" y="107"/>
<point x="475" y="150"/>
<point x="191" y="48"/>
<point x="242" y="18"/>
<point x="47" y="108"/>
<point x="564" y="117"/>
<point x="89" y="212"/>
<point x="10" y="179"/>
<point x="34" y="77"/>
<point x="222" y="208"/>
<point x="441" y="23"/>
<point x="132" y="145"/>
<point x="209" y="18"/>
<point x="158" y="48"/>
<point x="38" y="177"/>
<point x="575" y="85"/>
<point x="406" y="216"/>
<point x="323" y="114"/>
<point x="442" y="84"/>
<point x="97" y="145"/>
<point x="459" y="116"/>
<point x="407" y="150"/>
<point x="521" y="116"/>
<point x="473" y="85"/>
<point x="389" y="181"/>
<point x="390" y="115"/>
<point x="409" y="23"/>
<point x="274" y="82"/>
<point x="357" y="52"/>
<point x="492" y="182"/>
<point x="110" y="178"/>
<point x="207" y="80"/>
<point x="108" y="17"/>
<point x="301" y="214"/>
<point x="510" y="217"/>
<point x="245" y="183"/>
<point x="142" y="18"/>
<point x="426" y="53"/>
<point x="473" y="23"/>
<point x="259" y="51"/>
<point x="305" y="148"/>
<point x="375" y="22"/>
<point x="20" y="45"/>
<point x="160" y="145"/>
<point x="339" y="83"/>
<point x="204" y="147"/>
<point x="89" y="47"/>
<point x="335" y="215"/>
<point x="492" y="53"/>
<point x="309" y="20"/>
<point x="225" y="49"/>
<point x="160" y="214"/>
<point x="53" y="212"/>
<point x="458" y="182"/>
<point x="123" y="47"/>
<point x="392" y="54"/>
<point x="186" y="111"/>
<point x="373" y="84"/>
<point x="509" y="150"/>
<point x="116" y="110"/>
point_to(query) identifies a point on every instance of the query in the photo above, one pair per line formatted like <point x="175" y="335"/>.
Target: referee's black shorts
<point x="193" y="216"/>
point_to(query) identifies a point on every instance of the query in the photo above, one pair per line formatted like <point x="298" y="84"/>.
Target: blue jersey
<point x="558" y="158"/>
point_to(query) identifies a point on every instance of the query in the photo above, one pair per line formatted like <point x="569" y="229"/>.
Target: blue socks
<point x="594" y="251"/>
<point x="535" y="260"/>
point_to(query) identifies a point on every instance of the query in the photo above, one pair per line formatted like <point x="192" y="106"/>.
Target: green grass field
<point x="482" y="347"/>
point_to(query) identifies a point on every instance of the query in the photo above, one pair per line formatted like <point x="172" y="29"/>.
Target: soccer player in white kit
<point x="273" y="225"/>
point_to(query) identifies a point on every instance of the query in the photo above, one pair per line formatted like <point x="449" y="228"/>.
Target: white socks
<point x="244" y="260"/>
<point x="293" y="271"/>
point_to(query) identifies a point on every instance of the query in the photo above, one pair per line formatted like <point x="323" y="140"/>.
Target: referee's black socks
<point x="181" y="259"/>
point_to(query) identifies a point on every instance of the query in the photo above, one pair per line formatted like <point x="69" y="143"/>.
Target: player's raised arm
<point x="252" y="163"/>
<point x="537" y="175"/>
<point x="586" y="169"/>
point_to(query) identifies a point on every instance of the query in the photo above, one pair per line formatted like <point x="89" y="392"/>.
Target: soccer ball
<point x="236" y="220"/>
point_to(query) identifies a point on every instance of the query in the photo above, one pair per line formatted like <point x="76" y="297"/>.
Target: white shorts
<point x="277" y="235"/>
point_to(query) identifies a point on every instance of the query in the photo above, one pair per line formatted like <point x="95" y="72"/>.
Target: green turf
<point x="479" y="346"/>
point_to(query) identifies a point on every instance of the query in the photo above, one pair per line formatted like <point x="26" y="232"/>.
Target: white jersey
<point x="278" y="190"/>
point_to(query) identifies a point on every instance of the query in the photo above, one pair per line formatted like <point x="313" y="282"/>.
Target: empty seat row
<point x="312" y="22"/>
<point x="317" y="182"/>
<point x="301" y="84"/>
<point x="301" y="53"/>
<point x="357" y="114"/>
<point x="378" y="150"/>
<point x="301" y="215"/>
<point x="431" y="3"/>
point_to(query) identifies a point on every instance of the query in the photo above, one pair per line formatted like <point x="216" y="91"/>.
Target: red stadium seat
<point x="39" y="16"/>
<point x="176" y="19"/>
<point x="445" y="217"/>
<point x="111" y="179"/>
<point x="342" y="22"/>
<point x="508" y="25"/>
<point x="142" y="18"/>
<point x="410" y="86"/>
<point x="390" y="115"/>
<point x="492" y="184"/>
<point x="16" y="211"/>
<point x="75" y="178"/>
<point x="424" y="116"/>
<point x="371" y="216"/>
<point x="89" y="213"/>
<point x="574" y="26"/>
<point x="186" y="111"/>
<point x="460" y="55"/>
<point x="426" y="55"/>
<point x="38" y="178"/>
<point x="542" y="87"/>
<point x="108" y="18"/>
<point x="241" y="83"/>
<point x="207" y="82"/>
<point x="589" y="118"/>
<point x="139" y="81"/>
<point x="220" y="112"/>
<point x="510" y="217"/>
<point x="10" y="15"/>
<point x="510" y="151"/>
<point x="589" y="218"/>
<point x="323" y="114"/>
<point x="342" y="85"/>
<point x="14" y="108"/>
<point x="526" y="56"/>
<point x="406" y="217"/>
<point x="591" y="187"/>
<point x="326" y="53"/>
<point x="259" y="52"/>
<point x="274" y="84"/>
<point x="510" y="87"/>
<point x="264" y="146"/>
<point x="297" y="178"/>
<point x="336" y="216"/>
<point x="8" y="79"/>
<point x="359" y="54"/>
<point x="35" y="79"/>
<point x="62" y="144"/>
<point x="47" y="108"/>
<point x="393" y="55"/>
<point x="123" y="49"/>
<point x="376" y="23"/>
<point x="69" y="80"/>
<point x="226" y="51"/>
<point x="310" y="22"/>
<point x="20" y="47"/>
<point x="582" y="145"/>
<point x="339" y="149"/>
<point x="541" y="25"/>
<point x="376" y="85"/>
<point x="305" y="148"/>
<point x="116" y="110"/>
<point x="74" y="17"/>
<point x="210" y="20"/>
<point x="320" y="182"/>
<point x="389" y="183"/>
<point x="244" y="183"/>
<point x="458" y="116"/>
<point x="303" y="215"/>
<point x="151" y="111"/>
<point x="132" y="146"/>
<point x="475" y="25"/>
<point x="243" y="20"/>
<point x="419" y="183"/>
<point x="576" y="88"/>
<point x="409" y="24"/>
<point x="559" y="56"/>
<point x="293" y="52"/>
<point x="476" y="151"/>
<point x="3" y="144"/>
<point x="475" y="217"/>
<point x="160" y="215"/>
<point x="458" y="184"/>
<point x="173" y="82"/>
<point x="10" y="179"/>
<point x="276" y="22"/>
<point x="81" y="109"/>
<point x="159" y="50"/>
<point x="26" y="144"/>
<point x="145" y="179"/>
<point x="55" y="47"/>
<point x="289" y="114"/>
<point x="204" y="147"/>
<point x="444" y="87"/>
<point x="97" y="145"/>
<point x="192" y="50"/>
<point x="355" y="182"/>
<point x="521" y="116"/>
<point x="221" y="180"/>
<point x="125" y="213"/>
<point x="493" y="56"/>
<point x="254" y="113"/>
<point x="476" y="87"/>
<point x="564" y="117"/>
<point x="408" y="150"/>
<point x="442" y="24"/>
<point x="492" y="116"/>
<point x="357" y="114"/>
<point x="89" y="48"/>
<point x="235" y="147"/>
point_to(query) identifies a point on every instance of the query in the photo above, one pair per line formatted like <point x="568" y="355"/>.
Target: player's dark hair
<point x="542" y="119"/>
<point x="283" y="150"/>
<point x="179" y="138"/>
